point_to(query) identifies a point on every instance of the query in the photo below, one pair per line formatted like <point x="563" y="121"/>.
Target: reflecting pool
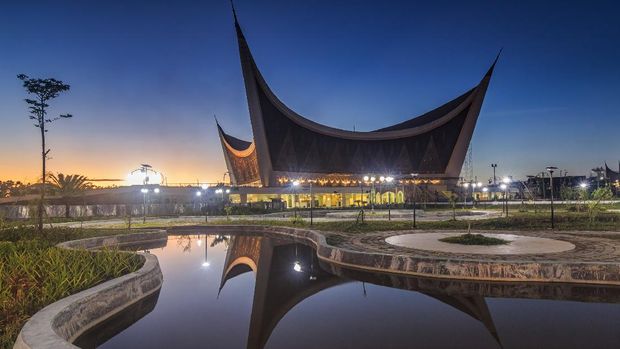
<point x="257" y="291"/>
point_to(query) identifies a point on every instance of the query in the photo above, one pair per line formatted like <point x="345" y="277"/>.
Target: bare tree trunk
<point x="43" y="156"/>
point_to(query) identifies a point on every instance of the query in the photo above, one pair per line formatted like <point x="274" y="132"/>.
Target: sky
<point x="147" y="77"/>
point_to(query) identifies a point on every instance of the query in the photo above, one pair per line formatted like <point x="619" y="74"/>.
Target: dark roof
<point x="433" y="143"/>
<point x="238" y="144"/>
<point x="431" y="115"/>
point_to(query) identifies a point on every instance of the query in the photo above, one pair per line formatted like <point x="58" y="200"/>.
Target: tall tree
<point x="44" y="90"/>
<point x="69" y="186"/>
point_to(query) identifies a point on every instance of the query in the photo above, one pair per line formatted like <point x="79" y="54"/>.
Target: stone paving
<point x="589" y="246"/>
<point x="595" y="259"/>
<point x="515" y="244"/>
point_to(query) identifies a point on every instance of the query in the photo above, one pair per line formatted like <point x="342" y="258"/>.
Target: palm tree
<point x="68" y="186"/>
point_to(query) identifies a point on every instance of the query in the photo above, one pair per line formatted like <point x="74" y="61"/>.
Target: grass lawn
<point x="34" y="273"/>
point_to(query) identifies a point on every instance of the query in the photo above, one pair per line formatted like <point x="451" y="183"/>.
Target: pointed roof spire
<point x="234" y="12"/>
<point x="490" y="71"/>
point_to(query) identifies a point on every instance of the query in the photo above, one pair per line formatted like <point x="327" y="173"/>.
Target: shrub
<point x="474" y="239"/>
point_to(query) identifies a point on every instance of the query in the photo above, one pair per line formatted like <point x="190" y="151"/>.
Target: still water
<point x="255" y="291"/>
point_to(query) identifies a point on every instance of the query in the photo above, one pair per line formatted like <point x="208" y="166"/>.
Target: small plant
<point x="297" y="220"/>
<point x="228" y="210"/>
<point x="452" y="199"/>
<point x="474" y="239"/>
<point x="594" y="204"/>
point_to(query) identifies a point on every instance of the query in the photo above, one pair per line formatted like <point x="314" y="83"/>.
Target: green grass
<point x="474" y="239"/>
<point x="515" y="221"/>
<point x="35" y="273"/>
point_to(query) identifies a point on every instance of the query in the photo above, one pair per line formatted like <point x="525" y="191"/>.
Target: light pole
<point x="199" y="197"/>
<point x="466" y="186"/>
<point x="144" y="192"/>
<point x="413" y="177"/>
<point x="372" y="191"/>
<point x="550" y="169"/>
<point x="584" y="191"/>
<point x="506" y="186"/>
<point x="389" y="180"/>
<point x="295" y="185"/>
<point x="311" y="204"/>
<point x="494" y="178"/>
<point x="206" y="206"/>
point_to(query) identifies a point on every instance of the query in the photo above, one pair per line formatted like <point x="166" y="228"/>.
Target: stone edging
<point x="603" y="273"/>
<point x="61" y="322"/>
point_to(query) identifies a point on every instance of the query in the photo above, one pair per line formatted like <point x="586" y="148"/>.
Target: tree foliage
<point x="43" y="90"/>
<point x="69" y="185"/>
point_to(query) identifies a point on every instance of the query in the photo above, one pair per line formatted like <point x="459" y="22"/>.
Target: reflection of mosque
<point x="287" y="272"/>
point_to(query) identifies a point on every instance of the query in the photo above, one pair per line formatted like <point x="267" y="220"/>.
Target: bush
<point x="35" y="273"/>
<point x="474" y="239"/>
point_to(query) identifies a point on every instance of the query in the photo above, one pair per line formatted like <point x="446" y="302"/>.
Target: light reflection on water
<point x="254" y="291"/>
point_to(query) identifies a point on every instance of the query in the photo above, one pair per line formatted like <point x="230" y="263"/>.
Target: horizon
<point x="145" y="90"/>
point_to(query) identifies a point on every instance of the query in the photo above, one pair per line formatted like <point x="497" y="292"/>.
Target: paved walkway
<point x="330" y="216"/>
<point x="601" y="247"/>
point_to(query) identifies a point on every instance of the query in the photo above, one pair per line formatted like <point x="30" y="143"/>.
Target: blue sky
<point x="147" y="77"/>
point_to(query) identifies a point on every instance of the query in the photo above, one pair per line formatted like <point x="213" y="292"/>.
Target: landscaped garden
<point x="35" y="273"/>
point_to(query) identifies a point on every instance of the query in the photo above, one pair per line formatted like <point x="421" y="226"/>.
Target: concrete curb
<point x="437" y="267"/>
<point x="60" y="323"/>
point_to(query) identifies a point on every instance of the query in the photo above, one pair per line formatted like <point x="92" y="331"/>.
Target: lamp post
<point x="371" y="179"/>
<point x="311" y="204"/>
<point x="413" y="177"/>
<point x="295" y="185"/>
<point x="381" y="180"/>
<point x="144" y="192"/>
<point x="199" y="197"/>
<point x="206" y="206"/>
<point x="494" y="166"/>
<point x="550" y="169"/>
<point x="389" y="180"/>
<point x="506" y="186"/>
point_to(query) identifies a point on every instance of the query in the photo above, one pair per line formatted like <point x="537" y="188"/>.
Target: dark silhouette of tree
<point x="44" y="90"/>
<point x="69" y="186"/>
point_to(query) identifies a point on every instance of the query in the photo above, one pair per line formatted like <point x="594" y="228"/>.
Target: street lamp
<point x="311" y="204"/>
<point x="413" y="177"/>
<point x="389" y="180"/>
<point x="295" y="185"/>
<point x="371" y="179"/>
<point x="144" y="192"/>
<point x="550" y="169"/>
<point x="494" y="178"/>
<point x="506" y="186"/>
<point x="204" y="204"/>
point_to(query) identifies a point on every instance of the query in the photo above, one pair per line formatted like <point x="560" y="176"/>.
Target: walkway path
<point x="326" y="216"/>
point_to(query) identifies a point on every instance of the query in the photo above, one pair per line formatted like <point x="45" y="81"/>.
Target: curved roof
<point x="290" y="145"/>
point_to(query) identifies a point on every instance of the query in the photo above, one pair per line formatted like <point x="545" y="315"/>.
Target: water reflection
<point x="211" y="285"/>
